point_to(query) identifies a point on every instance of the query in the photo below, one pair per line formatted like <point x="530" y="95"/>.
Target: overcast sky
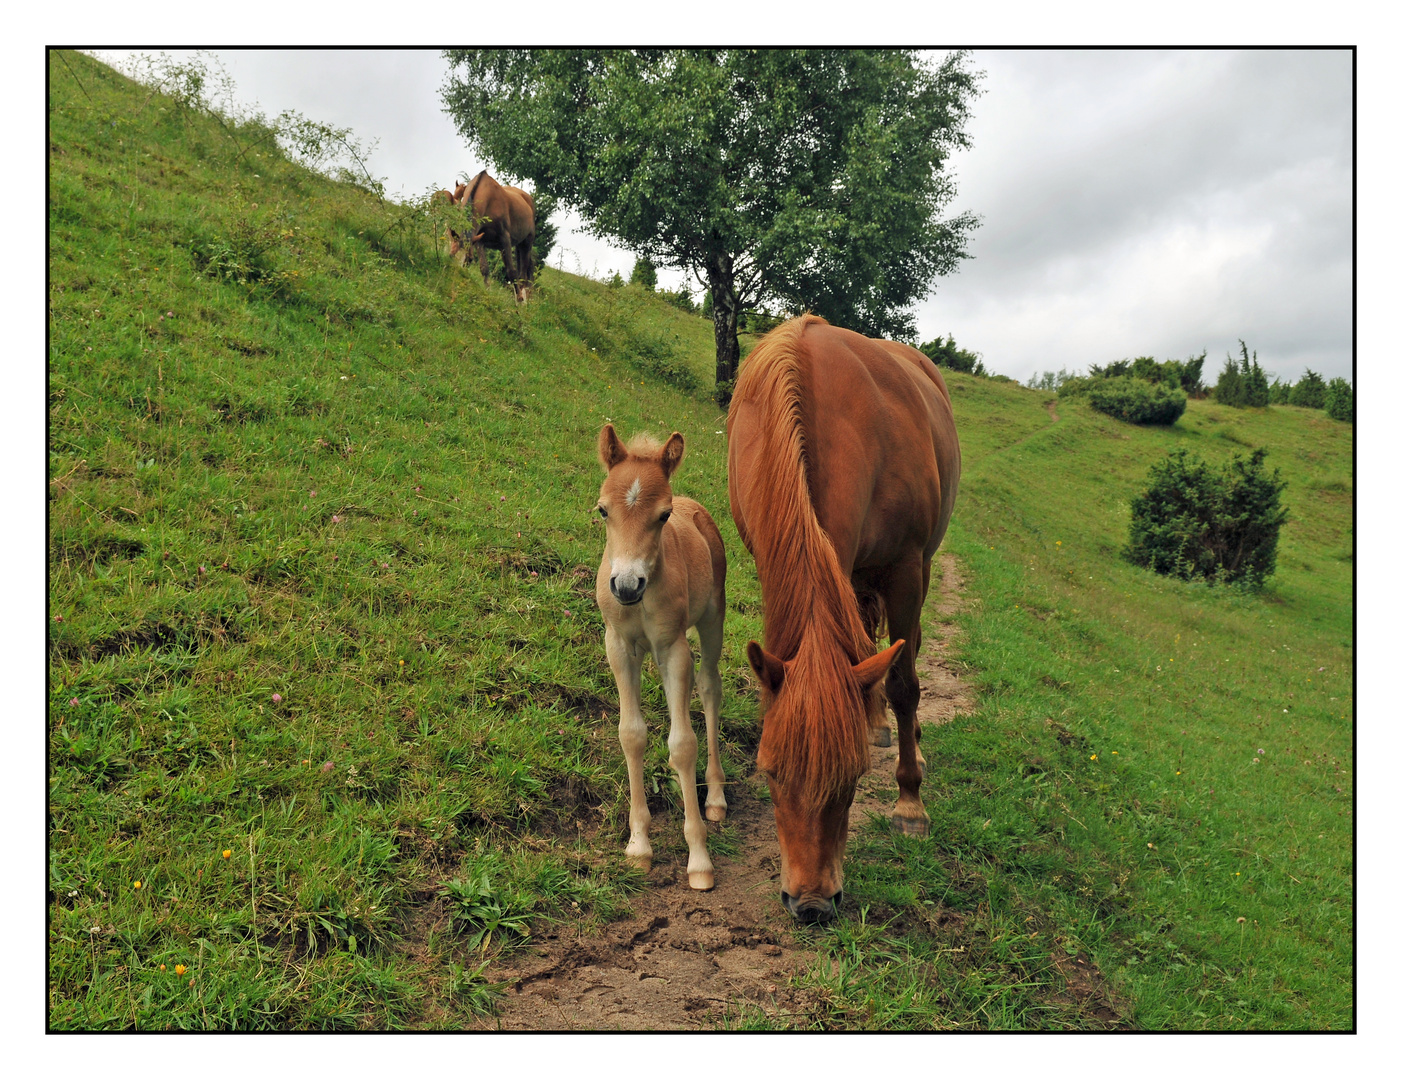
<point x="1133" y="202"/>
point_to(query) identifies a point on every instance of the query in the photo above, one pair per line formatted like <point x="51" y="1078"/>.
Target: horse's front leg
<point x="904" y="599"/>
<point x="675" y="666"/>
<point x="632" y="735"/>
<point x="481" y="246"/>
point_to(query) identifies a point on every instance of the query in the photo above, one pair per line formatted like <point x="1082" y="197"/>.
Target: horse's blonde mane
<point x="817" y="730"/>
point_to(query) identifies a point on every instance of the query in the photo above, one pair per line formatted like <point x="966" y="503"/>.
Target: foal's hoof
<point x="715" y="813"/>
<point x="642" y="862"/>
<point x="881" y="736"/>
<point x="911" y="826"/>
<point x="701" y="879"/>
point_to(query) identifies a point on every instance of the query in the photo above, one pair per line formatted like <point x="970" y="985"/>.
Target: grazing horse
<point x="504" y="219"/>
<point x="663" y="571"/>
<point x="844" y="466"/>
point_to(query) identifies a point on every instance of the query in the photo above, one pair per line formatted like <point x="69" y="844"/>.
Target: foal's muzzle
<point x="813" y="910"/>
<point x="627" y="589"/>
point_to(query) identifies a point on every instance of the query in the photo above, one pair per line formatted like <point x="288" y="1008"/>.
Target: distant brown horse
<point x="504" y="219"/>
<point x="844" y="465"/>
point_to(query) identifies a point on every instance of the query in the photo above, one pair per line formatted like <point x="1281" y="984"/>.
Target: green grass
<point x="343" y="472"/>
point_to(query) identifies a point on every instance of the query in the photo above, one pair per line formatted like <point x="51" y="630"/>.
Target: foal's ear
<point x="873" y="669"/>
<point x="611" y="448"/>
<point x="672" y="454"/>
<point x="768" y="669"/>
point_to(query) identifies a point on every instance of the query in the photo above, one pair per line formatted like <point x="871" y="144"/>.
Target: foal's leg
<point x="675" y="667"/>
<point x="632" y="734"/>
<point x="904" y="599"/>
<point x="708" y="630"/>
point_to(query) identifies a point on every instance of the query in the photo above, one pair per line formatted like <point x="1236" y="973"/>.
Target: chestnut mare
<point x="663" y="571"/>
<point x="844" y="466"/>
<point x="503" y="218"/>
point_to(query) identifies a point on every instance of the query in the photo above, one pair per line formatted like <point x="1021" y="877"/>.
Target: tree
<point x="811" y="179"/>
<point x="644" y="274"/>
<point x="1309" y="391"/>
<point x="1243" y="384"/>
<point x="1338" y="400"/>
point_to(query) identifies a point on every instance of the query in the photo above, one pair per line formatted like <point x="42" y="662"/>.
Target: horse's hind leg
<point x="904" y="599"/>
<point x="708" y="630"/>
<point x="675" y="667"/>
<point x="632" y="735"/>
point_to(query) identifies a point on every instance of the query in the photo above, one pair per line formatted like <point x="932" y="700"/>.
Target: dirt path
<point x="685" y="959"/>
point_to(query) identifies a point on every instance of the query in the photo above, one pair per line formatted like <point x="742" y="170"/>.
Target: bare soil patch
<point x="687" y="959"/>
<point x="690" y="960"/>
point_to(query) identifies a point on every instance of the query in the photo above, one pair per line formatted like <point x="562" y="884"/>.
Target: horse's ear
<point x="611" y="448"/>
<point x="873" y="669"/>
<point x="672" y="454"/>
<point x="768" y="669"/>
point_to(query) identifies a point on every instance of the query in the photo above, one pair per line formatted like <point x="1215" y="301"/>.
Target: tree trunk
<point x="725" y="313"/>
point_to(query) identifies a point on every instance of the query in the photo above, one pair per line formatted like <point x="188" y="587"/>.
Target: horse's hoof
<point x="642" y="862"/>
<point x="715" y="813"/>
<point x="881" y="736"/>
<point x="911" y="826"/>
<point x="702" y="879"/>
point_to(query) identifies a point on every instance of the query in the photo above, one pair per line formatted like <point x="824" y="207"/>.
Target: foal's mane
<point x="817" y="729"/>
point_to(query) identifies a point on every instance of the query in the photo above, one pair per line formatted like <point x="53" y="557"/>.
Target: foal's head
<point x="635" y="502"/>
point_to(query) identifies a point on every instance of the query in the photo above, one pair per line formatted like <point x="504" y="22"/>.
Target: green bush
<point x="1309" y="391"/>
<point x="1136" y="401"/>
<point x="1280" y="393"/>
<point x="1221" y="525"/>
<point x="1338" y="400"/>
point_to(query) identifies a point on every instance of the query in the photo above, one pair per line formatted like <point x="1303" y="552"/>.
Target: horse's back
<point x="704" y="524"/>
<point x="879" y="444"/>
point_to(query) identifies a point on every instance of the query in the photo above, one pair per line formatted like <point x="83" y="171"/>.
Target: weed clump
<point x="1220" y="525"/>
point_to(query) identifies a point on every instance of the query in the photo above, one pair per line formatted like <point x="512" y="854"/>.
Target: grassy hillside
<point x="322" y="641"/>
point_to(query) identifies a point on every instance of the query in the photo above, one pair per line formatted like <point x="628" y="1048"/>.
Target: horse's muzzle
<point x="629" y="591"/>
<point x="813" y="910"/>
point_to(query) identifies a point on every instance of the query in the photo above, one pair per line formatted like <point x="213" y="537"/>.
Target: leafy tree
<point x="1338" y="400"/>
<point x="1280" y="393"/>
<point x="944" y="353"/>
<point x="1194" y="521"/>
<point x="644" y="274"/>
<point x="1309" y="391"/>
<point x="813" y="179"/>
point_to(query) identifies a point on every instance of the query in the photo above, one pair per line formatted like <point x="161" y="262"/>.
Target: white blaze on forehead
<point x="634" y="491"/>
